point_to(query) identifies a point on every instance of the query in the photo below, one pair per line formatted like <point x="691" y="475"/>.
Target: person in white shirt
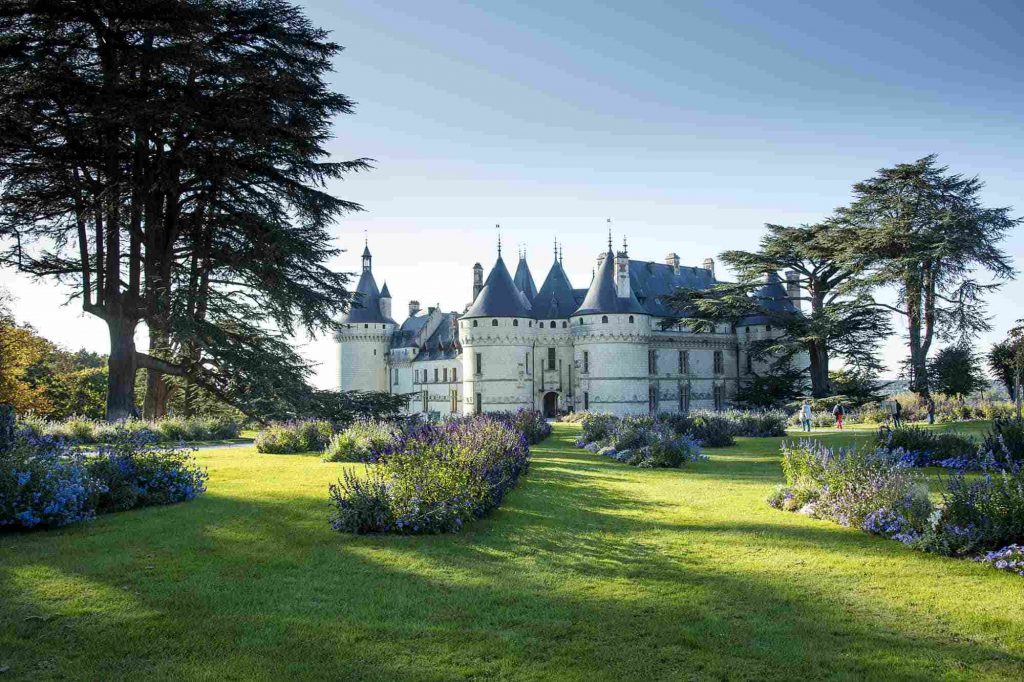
<point x="805" y="416"/>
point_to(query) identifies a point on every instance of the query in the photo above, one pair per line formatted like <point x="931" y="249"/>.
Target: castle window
<point x="551" y="358"/>
<point x="652" y="361"/>
<point x="581" y="320"/>
<point x="748" y="330"/>
<point x="494" y="323"/>
<point x="474" y="323"/>
<point x="479" y="364"/>
<point x="374" y="351"/>
<point x="515" y="323"/>
<point x="455" y="373"/>
<point x="552" y="325"/>
<point x="445" y="375"/>
<point x="750" y="364"/>
<point x="719" y="396"/>
<point x="604" y="319"/>
<point x="564" y="325"/>
<point x="435" y="374"/>
<point x="426" y="401"/>
<point x="394" y="377"/>
<point x="652" y="398"/>
<point x="767" y="327"/>
<point x="366" y="326"/>
<point x="719" y="362"/>
<point x="479" y="407"/>
<point x="529" y="324"/>
<point x="586" y="400"/>
<point x="631" y="319"/>
<point x="527" y="363"/>
<point x="586" y="362"/>
<point x="684" y="362"/>
<point x="684" y="398"/>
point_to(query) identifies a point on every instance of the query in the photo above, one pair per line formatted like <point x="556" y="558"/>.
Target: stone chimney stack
<point x="414" y="307"/>
<point x="793" y="287"/>
<point x="709" y="265"/>
<point x="478" y="280"/>
<point x="672" y="260"/>
<point x="622" y="288"/>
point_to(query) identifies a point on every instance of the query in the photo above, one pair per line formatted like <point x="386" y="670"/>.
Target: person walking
<point x="805" y="416"/>
<point x="839" y="412"/>
<point x="897" y="413"/>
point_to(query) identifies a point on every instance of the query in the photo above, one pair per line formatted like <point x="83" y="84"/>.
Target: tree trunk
<point x="121" y="370"/>
<point x="1019" y="392"/>
<point x="157" y="389"/>
<point x="818" y="370"/>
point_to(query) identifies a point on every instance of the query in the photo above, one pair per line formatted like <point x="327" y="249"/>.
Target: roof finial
<point x="366" y="238"/>
<point x="625" y="248"/>
<point x="497" y="226"/>
<point x="561" y="252"/>
<point x="609" y="221"/>
<point x="556" y="248"/>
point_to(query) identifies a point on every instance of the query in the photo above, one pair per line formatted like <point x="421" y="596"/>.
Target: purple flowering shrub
<point x="136" y="472"/>
<point x="640" y="441"/>
<point x="1009" y="558"/>
<point x="597" y="427"/>
<point x="44" y="482"/>
<point x="432" y="479"/>
<point x="857" y="488"/>
<point x="530" y="423"/>
<point x="922" y="447"/>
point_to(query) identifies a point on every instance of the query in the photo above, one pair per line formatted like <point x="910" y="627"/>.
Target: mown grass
<point x="591" y="570"/>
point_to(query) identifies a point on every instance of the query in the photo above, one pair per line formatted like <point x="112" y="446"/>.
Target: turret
<point x="622" y="288"/>
<point x="385" y="302"/>
<point x="709" y="265"/>
<point x="793" y="287"/>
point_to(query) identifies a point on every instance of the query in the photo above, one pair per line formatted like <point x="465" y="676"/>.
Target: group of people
<point x="839" y="413"/>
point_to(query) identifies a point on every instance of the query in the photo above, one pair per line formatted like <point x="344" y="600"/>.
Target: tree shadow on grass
<point x="577" y="576"/>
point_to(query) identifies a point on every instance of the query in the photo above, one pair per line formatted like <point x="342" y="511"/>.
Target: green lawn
<point x="591" y="570"/>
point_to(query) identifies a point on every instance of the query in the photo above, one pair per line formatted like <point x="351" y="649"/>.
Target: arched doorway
<point x="551" y="404"/>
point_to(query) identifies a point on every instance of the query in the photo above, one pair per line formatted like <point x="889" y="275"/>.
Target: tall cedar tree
<point x="1006" y="359"/>
<point x="924" y="230"/>
<point x="842" y="320"/>
<point x="166" y="159"/>
<point x="956" y="371"/>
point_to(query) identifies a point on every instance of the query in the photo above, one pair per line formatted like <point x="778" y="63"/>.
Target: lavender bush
<point x="360" y="441"/>
<point x="432" y="479"/>
<point x="169" y="429"/>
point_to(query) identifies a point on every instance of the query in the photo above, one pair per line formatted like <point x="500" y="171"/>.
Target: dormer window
<point x="604" y="319"/>
<point x="552" y="325"/>
<point x="564" y="325"/>
<point x="494" y="323"/>
<point x="474" y="323"/>
<point x="515" y="323"/>
<point x="631" y="319"/>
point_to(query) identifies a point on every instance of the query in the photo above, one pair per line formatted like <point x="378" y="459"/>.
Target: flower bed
<point x="639" y="441"/>
<point x="878" y="491"/>
<point x="168" y="430"/>
<point x="924" y="447"/>
<point x="47" y="482"/>
<point x="432" y="479"/>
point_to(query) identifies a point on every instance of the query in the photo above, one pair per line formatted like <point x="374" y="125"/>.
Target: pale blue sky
<point x="689" y="124"/>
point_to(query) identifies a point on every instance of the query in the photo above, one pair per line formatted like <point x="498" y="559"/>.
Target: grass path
<point x="591" y="570"/>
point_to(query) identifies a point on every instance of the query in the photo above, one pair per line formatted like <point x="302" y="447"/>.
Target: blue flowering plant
<point x="44" y="483"/>
<point x="432" y="478"/>
<point x="360" y="441"/>
<point x="922" y="447"/>
<point x="1009" y="558"/>
<point x="135" y="471"/>
<point x="530" y="423"/>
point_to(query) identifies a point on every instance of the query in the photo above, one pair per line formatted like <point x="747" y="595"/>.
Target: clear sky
<point x="689" y="124"/>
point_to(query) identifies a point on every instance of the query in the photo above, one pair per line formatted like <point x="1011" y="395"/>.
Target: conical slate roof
<point x="366" y="306"/>
<point x="555" y="298"/>
<point x="524" y="280"/>
<point x="499" y="297"/>
<point x="384" y="293"/>
<point x="772" y="296"/>
<point x="602" y="296"/>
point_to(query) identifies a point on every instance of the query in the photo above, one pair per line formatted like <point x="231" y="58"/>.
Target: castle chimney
<point x="709" y="265"/>
<point x="414" y="307"/>
<point x="672" y="260"/>
<point x="622" y="288"/>
<point x="478" y="280"/>
<point x="793" y="287"/>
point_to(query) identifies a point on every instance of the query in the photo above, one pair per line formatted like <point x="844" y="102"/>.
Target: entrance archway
<point x="551" y="404"/>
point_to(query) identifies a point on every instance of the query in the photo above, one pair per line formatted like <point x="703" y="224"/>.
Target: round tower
<point x="496" y="334"/>
<point x="615" y="368"/>
<point x="364" y="335"/>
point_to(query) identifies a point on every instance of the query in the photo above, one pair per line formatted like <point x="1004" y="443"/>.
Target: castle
<point x="556" y="349"/>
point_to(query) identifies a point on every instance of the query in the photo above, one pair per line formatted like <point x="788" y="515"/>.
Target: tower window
<point x="445" y="374"/>
<point x="527" y="357"/>
<point x="435" y="374"/>
<point x="719" y="396"/>
<point x="684" y="362"/>
<point x="455" y="374"/>
<point x="604" y="319"/>
<point x="652" y="398"/>
<point x="366" y="326"/>
<point x="586" y="362"/>
<point x="750" y="364"/>
<point x="684" y="398"/>
<point x="474" y="323"/>
<point x="652" y="361"/>
<point x="494" y="323"/>
<point x="719" y="362"/>
<point x="767" y="327"/>
<point x="581" y="320"/>
<point x="586" y="400"/>
<point x="631" y="319"/>
<point x="552" y="325"/>
<point x="551" y="358"/>
<point x="515" y="323"/>
<point x="564" y="325"/>
<point x="479" y="364"/>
